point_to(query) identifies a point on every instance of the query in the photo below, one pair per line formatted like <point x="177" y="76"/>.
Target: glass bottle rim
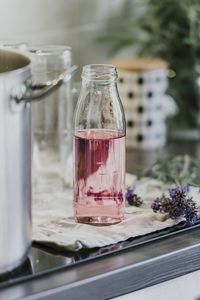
<point x="99" y="72"/>
<point x="45" y="50"/>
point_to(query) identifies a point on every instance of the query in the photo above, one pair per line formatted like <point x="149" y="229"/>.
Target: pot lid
<point x="11" y="60"/>
<point x="139" y="64"/>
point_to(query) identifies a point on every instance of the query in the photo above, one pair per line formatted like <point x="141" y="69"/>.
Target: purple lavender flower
<point x="130" y="192"/>
<point x="171" y="192"/>
<point x="186" y="188"/>
<point x="132" y="198"/>
<point x="178" y="204"/>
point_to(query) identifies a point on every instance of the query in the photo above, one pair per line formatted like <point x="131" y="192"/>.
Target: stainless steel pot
<point x="16" y="93"/>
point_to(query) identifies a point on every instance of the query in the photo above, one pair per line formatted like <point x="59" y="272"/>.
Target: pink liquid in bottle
<point x="99" y="176"/>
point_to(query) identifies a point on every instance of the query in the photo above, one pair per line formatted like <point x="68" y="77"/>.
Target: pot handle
<point x="35" y="92"/>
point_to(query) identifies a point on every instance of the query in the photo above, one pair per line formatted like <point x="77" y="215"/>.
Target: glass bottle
<point x="99" y="148"/>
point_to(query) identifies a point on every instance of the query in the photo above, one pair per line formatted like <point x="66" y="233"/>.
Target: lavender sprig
<point x="132" y="198"/>
<point x="176" y="169"/>
<point x="177" y="204"/>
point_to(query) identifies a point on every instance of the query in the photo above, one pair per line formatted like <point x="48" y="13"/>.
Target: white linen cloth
<point x="53" y="220"/>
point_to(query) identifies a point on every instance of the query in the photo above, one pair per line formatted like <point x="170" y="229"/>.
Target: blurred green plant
<point x="169" y="29"/>
<point x="174" y="169"/>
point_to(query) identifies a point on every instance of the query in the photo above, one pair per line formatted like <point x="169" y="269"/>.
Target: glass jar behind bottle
<point x="51" y="118"/>
<point x="12" y="44"/>
<point x="99" y="149"/>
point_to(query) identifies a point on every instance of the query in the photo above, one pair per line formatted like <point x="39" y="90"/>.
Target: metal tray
<point x="43" y="260"/>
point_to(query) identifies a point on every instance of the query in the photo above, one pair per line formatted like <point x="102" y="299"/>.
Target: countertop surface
<point x="185" y="287"/>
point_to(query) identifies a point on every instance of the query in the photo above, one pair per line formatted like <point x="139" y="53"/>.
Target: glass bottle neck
<point x="99" y="88"/>
<point x="99" y="83"/>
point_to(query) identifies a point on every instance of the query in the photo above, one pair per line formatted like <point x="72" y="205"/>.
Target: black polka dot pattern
<point x="140" y="137"/>
<point x="149" y="123"/>
<point x="130" y="95"/>
<point x="143" y="100"/>
<point x="140" y="81"/>
<point x="150" y="95"/>
<point x="140" y="109"/>
<point x="130" y="123"/>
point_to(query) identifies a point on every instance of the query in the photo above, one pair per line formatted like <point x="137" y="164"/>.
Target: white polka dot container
<point x="142" y="87"/>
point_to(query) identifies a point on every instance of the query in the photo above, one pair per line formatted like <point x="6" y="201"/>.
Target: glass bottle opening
<point x="98" y="72"/>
